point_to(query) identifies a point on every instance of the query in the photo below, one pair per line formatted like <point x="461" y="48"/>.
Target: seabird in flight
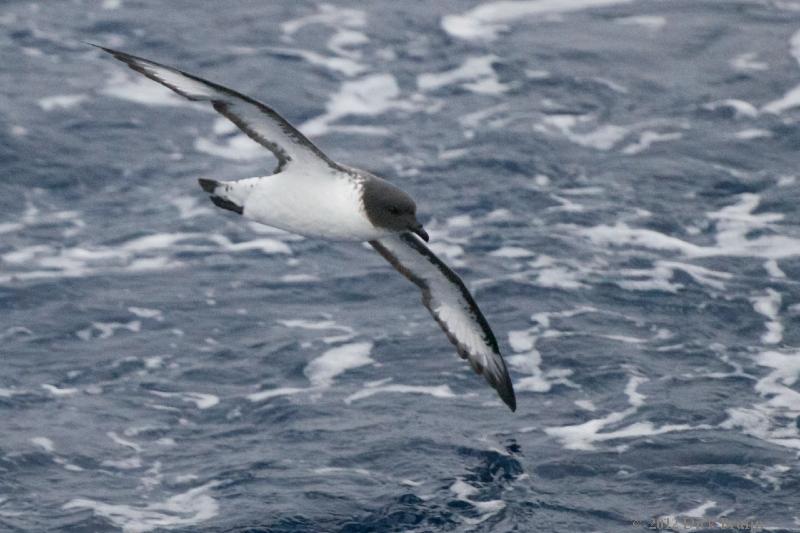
<point x="310" y="194"/>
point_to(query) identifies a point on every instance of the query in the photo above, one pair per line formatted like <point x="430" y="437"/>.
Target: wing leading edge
<point x="257" y="120"/>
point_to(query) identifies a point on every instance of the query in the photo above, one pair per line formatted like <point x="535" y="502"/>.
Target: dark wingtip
<point x="208" y="185"/>
<point x="506" y="392"/>
<point x="115" y="53"/>
<point x="227" y="204"/>
<point x="511" y="402"/>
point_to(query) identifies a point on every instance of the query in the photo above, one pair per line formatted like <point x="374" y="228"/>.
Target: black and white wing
<point x="259" y="121"/>
<point x="453" y="307"/>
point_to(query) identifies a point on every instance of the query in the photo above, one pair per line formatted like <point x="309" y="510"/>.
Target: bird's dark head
<point x="390" y="208"/>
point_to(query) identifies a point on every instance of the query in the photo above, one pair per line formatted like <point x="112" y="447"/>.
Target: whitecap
<point x="773" y="269"/>
<point x="131" y="463"/>
<point x="345" y="65"/>
<point x="476" y="74"/>
<point x="383" y="387"/>
<point x="56" y="391"/>
<point x="328" y="15"/>
<point x="584" y="436"/>
<point x="272" y="393"/>
<point x="144" y="312"/>
<point x="135" y="255"/>
<point x="511" y="252"/>
<point x="322" y="370"/>
<point x="61" y="101"/>
<point x="347" y="332"/>
<point x="106" y="330"/>
<point x="740" y="108"/>
<point x="368" y="96"/>
<point x="792" y="98"/>
<point x="464" y="491"/>
<point x="788" y="101"/>
<point x="649" y="22"/>
<point x="748" y="61"/>
<point x="339" y="470"/>
<point x="299" y="278"/>
<point x="487" y="20"/>
<point x="587" y="405"/>
<point x="201" y="400"/>
<point x="528" y="360"/>
<point x="768" y="305"/>
<point x="123" y="442"/>
<point x="182" y="510"/>
<point x="734" y="225"/>
<point x="647" y="139"/>
<point x="44" y="443"/>
<point x="574" y="128"/>
<point x="346" y="24"/>
<point x="752" y="133"/>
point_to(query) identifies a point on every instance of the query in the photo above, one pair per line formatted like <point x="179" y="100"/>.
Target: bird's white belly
<point x="322" y="206"/>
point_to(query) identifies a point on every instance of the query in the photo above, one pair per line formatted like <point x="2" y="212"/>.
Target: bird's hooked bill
<point x="419" y="230"/>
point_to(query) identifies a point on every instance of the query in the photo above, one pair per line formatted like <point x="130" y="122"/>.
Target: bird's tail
<point x="219" y="195"/>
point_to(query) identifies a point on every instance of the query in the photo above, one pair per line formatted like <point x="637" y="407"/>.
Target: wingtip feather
<point x="506" y="392"/>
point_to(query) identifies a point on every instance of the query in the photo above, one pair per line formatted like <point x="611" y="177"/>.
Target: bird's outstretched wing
<point x="453" y="307"/>
<point x="259" y="121"/>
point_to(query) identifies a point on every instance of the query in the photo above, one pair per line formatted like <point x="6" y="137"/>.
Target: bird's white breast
<point x="311" y="203"/>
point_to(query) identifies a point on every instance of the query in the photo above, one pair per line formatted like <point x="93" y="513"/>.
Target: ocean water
<point x="616" y="181"/>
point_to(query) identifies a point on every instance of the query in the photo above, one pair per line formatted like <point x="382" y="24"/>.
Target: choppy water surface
<point x="616" y="180"/>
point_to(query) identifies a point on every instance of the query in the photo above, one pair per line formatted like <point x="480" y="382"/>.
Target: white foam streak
<point x="528" y="359"/>
<point x="328" y="15"/>
<point x="61" y="101"/>
<point x="584" y="436"/>
<point x="46" y="261"/>
<point x="748" y="62"/>
<point x="752" y="133"/>
<point x="56" y="391"/>
<point x="44" y="443"/>
<point x="740" y="108"/>
<point x="347" y="332"/>
<point x="573" y="127"/>
<point x="774" y="419"/>
<point x="647" y="139"/>
<point x="734" y="224"/>
<point x="788" y="101"/>
<point x="200" y="399"/>
<point x="475" y="73"/>
<point x="768" y="305"/>
<point x="322" y="370"/>
<point x="794" y="46"/>
<point x="106" y="330"/>
<point x="792" y="98"/>
<point x="777" y="386"/>
<point x="487" y="20"/>
<point x="273" y="393"/>
<point x="368" y="96"/>
<point x="463" y="491"/>
<point x="511" y="252"/>
<point x="345" y="65"/>
<point x="182" y="510"/>
<point x="123" y="442"/>
<point x="649" y="22"/>
<point x="437" y="391"/>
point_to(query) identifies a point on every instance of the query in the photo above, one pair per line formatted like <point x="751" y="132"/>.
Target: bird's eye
<point x="393" y="210"/>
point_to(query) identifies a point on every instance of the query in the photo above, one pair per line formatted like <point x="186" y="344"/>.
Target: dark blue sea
<point x="617" y="182"/>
